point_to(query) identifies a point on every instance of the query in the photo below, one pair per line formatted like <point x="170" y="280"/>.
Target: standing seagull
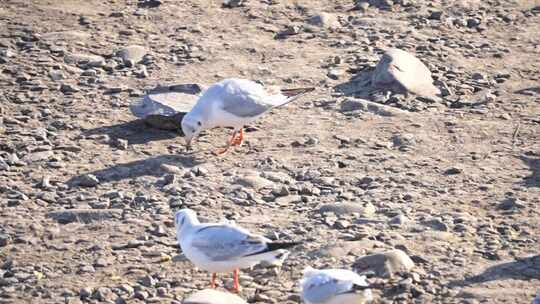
<point x="234" y="103"/>
<point x="224" y="247"/>
<point x="334" y="286"/>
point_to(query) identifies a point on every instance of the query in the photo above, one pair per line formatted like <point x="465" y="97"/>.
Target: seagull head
<point x="185" y="217"/>
<point x="192" y="125"/>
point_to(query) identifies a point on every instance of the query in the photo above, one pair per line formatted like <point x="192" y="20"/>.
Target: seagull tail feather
<point x="293" y="94"/>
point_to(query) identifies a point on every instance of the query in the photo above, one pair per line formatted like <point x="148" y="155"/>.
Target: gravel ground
<point x="88" y="193"/>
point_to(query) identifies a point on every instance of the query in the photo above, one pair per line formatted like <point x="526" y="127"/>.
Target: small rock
<point x="348" y="208"/>
<point x="511" y="203"/>
<point x="254" y="181"/>
<point x="4" y="240"/>
<point x="233" y="3"/>
<point x="325" y="20"/>
<point x="148" y="281"/>
<point x="453" y="171"/>
<point x="85" y="292"/>
<point x="68" y="88"/>
<point x="87" y="180"/>
<point x="385" y="264"/>
<point x="120" y="143"/>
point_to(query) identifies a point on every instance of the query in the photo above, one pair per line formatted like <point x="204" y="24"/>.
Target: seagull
<point x="225" y="247"/>
<point x="234" y="103"/>
<point x="334" y="286"/>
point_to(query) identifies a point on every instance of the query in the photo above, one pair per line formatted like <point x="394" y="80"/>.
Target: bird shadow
<point x="136" y="132"/>
<point x="147" y="167"/>
<point x="521" y="269"/>
<point x="532" y="180"/>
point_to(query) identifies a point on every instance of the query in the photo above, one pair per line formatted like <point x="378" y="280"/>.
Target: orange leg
<point x="229" y="144"/>
<point x="240" y="139"/>
<point x="213" y="284"/>
<point x="236" y="283"/>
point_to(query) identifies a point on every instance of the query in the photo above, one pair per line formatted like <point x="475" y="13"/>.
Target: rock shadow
<point x="146" y="167"/>
<point x="359" y="85"/>
<point x="136" y="132"/>
<point x="521" y="269"/>
<point x="532" y="180"/>
<point x="528" y="91"/>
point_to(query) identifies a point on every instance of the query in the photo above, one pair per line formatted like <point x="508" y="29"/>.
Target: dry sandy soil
<point x="453" y="183"/>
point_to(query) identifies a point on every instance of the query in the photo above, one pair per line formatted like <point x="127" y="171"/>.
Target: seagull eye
<point x="199" y="123"/>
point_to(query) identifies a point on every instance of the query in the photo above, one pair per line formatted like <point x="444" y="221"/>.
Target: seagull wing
<point x="244" y="98"/>
<point x="319" y="286"/>
<point x="226" y="242"/>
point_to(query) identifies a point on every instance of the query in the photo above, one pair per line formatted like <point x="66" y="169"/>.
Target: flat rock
<point x="133" y="53"/>
<point x="385" y="264"/>
<point x="253" y="181"/>
<point x="84" y="215"/>
<point x="358" y="104"/>
<point x="211" y="296"/>
<point x="399" y="70"/>
<point x="37" y="156"/>
<point x="164" y="107"/>
<point x="78" y="58"/>
<point x="348" y="208"/>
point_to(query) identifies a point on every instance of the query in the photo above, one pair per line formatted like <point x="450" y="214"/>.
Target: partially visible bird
<point x="234" y="103"/>
<point x="225" y="247"/>
<point x="334" y="286"/>
<point x="536" y="299"/>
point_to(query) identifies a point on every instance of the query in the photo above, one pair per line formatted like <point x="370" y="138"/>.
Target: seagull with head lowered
<point x="334" y="286"/>
<point x="234" y="103"/>
<point x="224" y="247"/>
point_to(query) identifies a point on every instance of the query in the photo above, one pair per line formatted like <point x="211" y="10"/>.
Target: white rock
<point x="325" y="20"/>
<point x="404" y="69"/>
<point x="211" y="296"/>
<point x="133" y="53"/>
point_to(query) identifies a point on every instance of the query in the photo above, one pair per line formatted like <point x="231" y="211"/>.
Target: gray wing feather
<point x="225" y="242"/>
<point x="244" y="106"/>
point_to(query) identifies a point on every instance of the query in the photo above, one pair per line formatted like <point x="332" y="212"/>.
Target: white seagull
<point x="536" y="299"/>
<point x="334" y="286"/>
<point x="234" y="103"/>
<point x="224" y="247"/>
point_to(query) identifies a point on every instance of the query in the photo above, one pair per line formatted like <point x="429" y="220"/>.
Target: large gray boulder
<point x="164" y="107"/>
<point x="399" y="70"/>
<point x="211" y="296"/>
